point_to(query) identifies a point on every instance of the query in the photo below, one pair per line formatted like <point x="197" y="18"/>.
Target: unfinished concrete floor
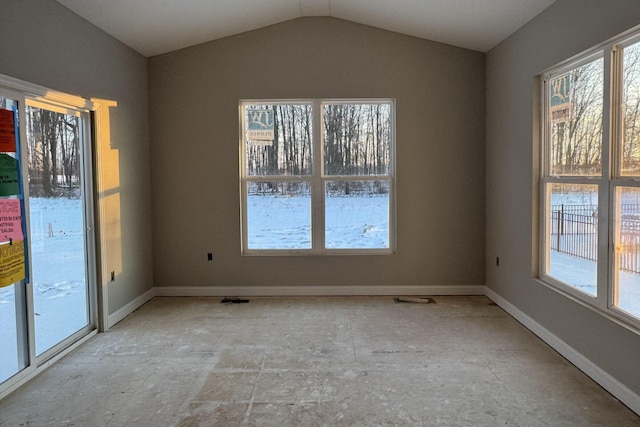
<point x="315" y="362"/>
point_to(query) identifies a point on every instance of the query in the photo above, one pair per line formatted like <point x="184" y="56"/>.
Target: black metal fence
<point x="629" y="250"/>
<point x="574" y="231"/>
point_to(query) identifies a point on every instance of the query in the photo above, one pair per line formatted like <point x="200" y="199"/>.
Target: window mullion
<point x="317" y="185"/>
<point x="616" y="180"/>
<point x="605" y="199"/>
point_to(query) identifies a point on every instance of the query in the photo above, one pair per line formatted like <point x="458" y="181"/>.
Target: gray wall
<point x="560" y="32"/>
<point x="194" y="96"/>
<point x="44" y="43"/>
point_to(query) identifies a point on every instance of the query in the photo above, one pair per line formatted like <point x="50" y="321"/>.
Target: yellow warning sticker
<point x="11" y="263"/>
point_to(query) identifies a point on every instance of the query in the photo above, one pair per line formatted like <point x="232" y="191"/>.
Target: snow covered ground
<point x="581" y="273"/>
<point x="280" y="222"/>
<point x="60" y="294"/>
<point x="59" y="270"/>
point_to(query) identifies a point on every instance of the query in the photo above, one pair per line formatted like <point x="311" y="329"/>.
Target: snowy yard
<point x="60" y="296"/>
<point x="280" y="222"/>
<point x="581" y="273"/>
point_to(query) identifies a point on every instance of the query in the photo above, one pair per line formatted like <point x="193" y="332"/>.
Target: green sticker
<point x="9" y="182"/>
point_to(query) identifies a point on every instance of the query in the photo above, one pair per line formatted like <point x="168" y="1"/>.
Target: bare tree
<point x="576" y="136"/>
<point x="53" y="145"/>
<point x="631" y="110"/>
<point x="356" y="141"/>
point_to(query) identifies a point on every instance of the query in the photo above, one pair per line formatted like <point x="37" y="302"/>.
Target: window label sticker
<point x="10" y="220"/>
<point x="7" y="131"/>
<point x="561" y="107"/>
<point x="9" y="183"/>
<point x="11" y="263"/>
<point x="260" y="125"/>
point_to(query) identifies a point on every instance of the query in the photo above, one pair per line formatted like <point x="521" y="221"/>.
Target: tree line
<point x="576" y="135"/>
<point x="356" y="142"/>
<point x="631" y="110"/>
<point x="577" y="130"/>
<point x="53" y="151"/>
<point x="53" y="145"/>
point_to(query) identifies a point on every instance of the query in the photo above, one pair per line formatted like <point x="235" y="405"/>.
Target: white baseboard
<point x="123" y="312"/>
<point x="308" y="291"/>
<point x="609" y="383"/>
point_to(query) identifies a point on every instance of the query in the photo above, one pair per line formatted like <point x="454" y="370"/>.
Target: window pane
<point x="627" y="254"/>
<point x="575" y="115"/>
<point x="357" y="139"/>
<point x="278" y="139"/>
<point x="631" y="111"/>
<point x="572" y="235"/>
<point x="278" y="215"/>
<point x="9" y="358"/>
<point x="11" y="327"/>
<point x="58" y="252"/>
<point x="357" y="214"/>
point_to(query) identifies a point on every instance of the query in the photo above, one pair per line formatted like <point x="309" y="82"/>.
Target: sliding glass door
<point x="47" y="246"/>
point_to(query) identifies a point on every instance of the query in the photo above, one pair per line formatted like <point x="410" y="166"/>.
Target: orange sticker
<point x="7" y="132"/>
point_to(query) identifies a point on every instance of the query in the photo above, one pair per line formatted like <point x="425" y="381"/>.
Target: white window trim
<point x="603" y="302"/>
<point x="317" y="180"/>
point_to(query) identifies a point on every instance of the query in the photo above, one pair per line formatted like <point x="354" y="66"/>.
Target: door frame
<point x="24" y="93"/>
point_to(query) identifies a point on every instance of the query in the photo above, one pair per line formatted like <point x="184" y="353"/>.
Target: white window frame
<point x="610" y="179"/>
<point x="317" y="180"/>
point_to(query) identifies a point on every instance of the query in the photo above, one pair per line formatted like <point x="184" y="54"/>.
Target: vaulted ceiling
<point x="153" y="27"/>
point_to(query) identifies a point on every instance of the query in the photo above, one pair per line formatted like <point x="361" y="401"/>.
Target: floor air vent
<point x="415" y="300"/>
<point x="233" y="300"/>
